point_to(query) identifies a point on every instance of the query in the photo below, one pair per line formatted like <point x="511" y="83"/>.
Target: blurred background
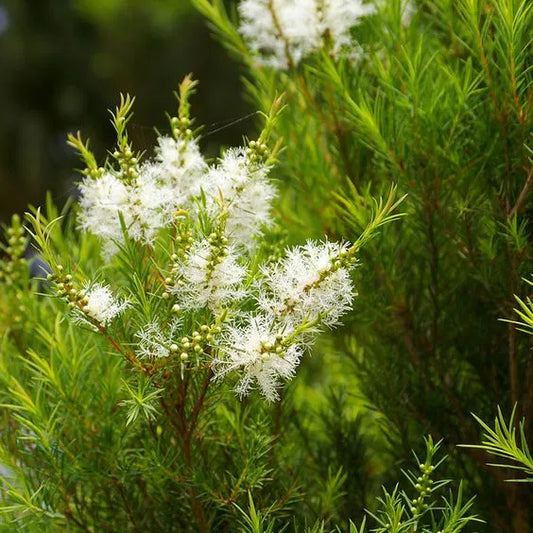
<point x="63" y="64"/>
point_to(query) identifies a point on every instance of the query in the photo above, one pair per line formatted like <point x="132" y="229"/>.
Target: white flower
<point x="153" y="342"/>
<point x="101" y="305"/>
<point x="143" y="205"/>
<point x="181" y="168"/>
<point x="208" y="278"/>
<point x="262" y="21"/>
<point x="283" y="31"/>
<point x="307" y="285"/>
<point x="148" y="205"/>
<point x="101" y="201"/>
<point x="177" y="179"/>
<point x="250" y="349"/>
<point x="246" y="195"/>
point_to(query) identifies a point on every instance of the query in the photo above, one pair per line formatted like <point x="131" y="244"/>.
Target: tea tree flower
<point x="101" y="305"/>
<point x="141" y="203"/>
<point x="93" y="303"/>
<point x="101" y="200"/>
<point x="279" y="32"/>
<point x="312" y="281"/>
<point x="210" y="275"/>
<point x="126" y="192"/>
<point x="261" y="352"/>
<point x="246" y="191"/>
<point x="282" y="32"/>
<point x="308" y="289"/>
<point x="181" y="168"/>
<point x="143" y="198"/>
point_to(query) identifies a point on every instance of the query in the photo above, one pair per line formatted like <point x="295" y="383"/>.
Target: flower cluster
<point x="310" y="282"/>
<point x="180" y="166"/>
<point x="139" y="198"/>
<point x="282" y="32"/>
<point x="210" y="275"/>
<point x="310" y="288"/>
<point x="241" y="181"/>
<point x="261" y="349"/>
<point x="109" y="202"/>
<point x="250" y="314"/>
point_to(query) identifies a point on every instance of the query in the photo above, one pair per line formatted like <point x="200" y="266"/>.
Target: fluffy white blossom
<point x="141" y="203"/>
<point x="154" y="342"/>
<point x="283" y="31"/>
<point x="307" y="283"/>
<point x="278" y="29"/>
<point x="101" y="200"/>
<point x="250" y="350"/>
<point x="181" y="169"/>
<point x="174" y="180"/>
<point x="246" y="195"/>
<point x="208" y="278"/>
<point x="101" y="305"/>
<point x="149" y="205"/>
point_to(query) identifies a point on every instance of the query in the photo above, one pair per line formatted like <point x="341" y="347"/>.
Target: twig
<point x="523" y="194"/>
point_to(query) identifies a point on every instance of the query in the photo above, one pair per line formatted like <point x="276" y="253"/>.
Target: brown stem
<point x="196" y="505"/>
<point x="199" y="403"/>
<point x="124" y="497"/>
<point x="485" y="65"/>
<point x="185" y="430"/>
<point x="523" y="194"/>
<point x="70" y="516"/>
<point x="111" y="341"/>
<point x="170" y="415"/>
<point x="130" y="357"/>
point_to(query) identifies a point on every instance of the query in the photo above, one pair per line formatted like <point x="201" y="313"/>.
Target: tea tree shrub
<point x="140" y="363"/>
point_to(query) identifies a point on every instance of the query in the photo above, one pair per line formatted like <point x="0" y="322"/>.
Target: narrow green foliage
<point x="118" y="408"/>
<point x="141" y="401"/>
<point x="186" y="90"/>
<point x="254" y="521"/>
<point x="508" y="441"/>
<point x="428" y="511"/>
<point x="120" y="118"/>
<point x="215" y="11"/>
<point x="82" y="147"/>
<point x="136" y="344"/>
